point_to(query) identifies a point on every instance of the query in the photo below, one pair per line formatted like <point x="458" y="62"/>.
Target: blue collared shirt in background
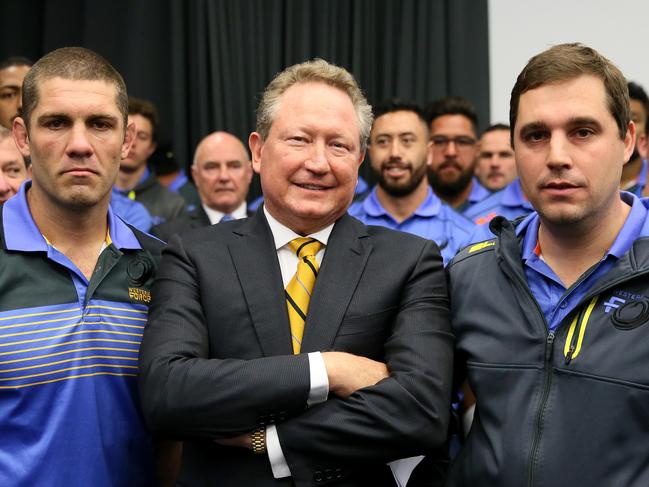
<point x="509" y="202"/>
<point x="433" y="220"/>
<point x="555" y="300"/>
<point x="477" y="194"/>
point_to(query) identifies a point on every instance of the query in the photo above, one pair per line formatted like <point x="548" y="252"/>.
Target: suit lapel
<point x="345" y="258"/>
<point x="255" y="260"/>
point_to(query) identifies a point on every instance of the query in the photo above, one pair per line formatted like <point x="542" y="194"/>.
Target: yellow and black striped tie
<point x="298" y="291"/>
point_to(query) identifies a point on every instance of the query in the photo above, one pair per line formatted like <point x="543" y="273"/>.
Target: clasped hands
<point x="346" y="372"/>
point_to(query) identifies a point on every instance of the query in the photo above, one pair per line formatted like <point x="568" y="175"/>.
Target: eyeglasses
<point x="440" y="142"/>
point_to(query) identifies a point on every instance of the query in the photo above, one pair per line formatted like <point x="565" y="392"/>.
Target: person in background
<point x="453" y="130"/>
<point x="12" y="73"/>
<point x="223" y="173"/>
<point x="496" y="167"/>
<point x="400" y="154"/>
<point x="135" y="180"/>
<point x="634" y="174"/>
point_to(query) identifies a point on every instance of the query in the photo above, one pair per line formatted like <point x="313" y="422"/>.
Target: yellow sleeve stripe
<point x="108" y="332"/>
<point x="58" y="362"/>
<point x="130" y="310"/>
<point x="71" y="342"/>
<point x="80" y="367"/>
<point x="118" y="374"/>
<point x="74" y="350"/>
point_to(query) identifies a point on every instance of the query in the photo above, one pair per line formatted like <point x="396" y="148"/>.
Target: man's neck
<point x="456" y="200"/>
<point x="570" y="250"/>
<point x="402" y="207"/>
<point x="77" y="233"/>
<point x="630" y="172"/>
<point x="126" y="181"/>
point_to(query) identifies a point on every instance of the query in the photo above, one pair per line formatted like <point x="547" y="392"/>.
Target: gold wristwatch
<point x="258" y="438"/>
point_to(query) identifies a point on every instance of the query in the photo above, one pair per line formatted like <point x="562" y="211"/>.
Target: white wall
<point x="519" y="29"/>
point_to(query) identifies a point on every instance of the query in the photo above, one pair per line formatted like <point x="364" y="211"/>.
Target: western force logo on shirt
<point x="619" y="298"/>
<point x="141" y="295"/>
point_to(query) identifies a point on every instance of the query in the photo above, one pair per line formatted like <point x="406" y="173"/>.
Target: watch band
<point x="258" y="438"/>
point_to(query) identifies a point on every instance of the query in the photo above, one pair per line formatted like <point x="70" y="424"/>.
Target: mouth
<point x="396" y="170"/>
<point x="559" y="187"/>
<point x="312" y="186"/>
<point x="79" y="171"/>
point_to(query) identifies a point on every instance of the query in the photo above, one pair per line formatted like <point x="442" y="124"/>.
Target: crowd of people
<point x="475" y="318"/>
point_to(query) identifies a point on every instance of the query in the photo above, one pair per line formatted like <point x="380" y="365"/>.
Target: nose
<point x="317" y="162"/>
<point x="395" y="149"/>
<point x="558" y="156"/>
<point x="224" y="173"/>
<point x="78" y="144"/>
<point x="450" y="149"/>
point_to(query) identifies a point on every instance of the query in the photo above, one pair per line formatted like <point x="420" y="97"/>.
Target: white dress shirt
<point x="215" y="215"/>
<point x="319" y="388"/>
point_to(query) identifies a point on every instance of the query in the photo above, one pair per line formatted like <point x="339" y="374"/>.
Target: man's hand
<point x="242" y="441"/>
<point x="347" y="373"/>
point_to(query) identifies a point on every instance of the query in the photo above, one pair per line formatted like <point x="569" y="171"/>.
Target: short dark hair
<point x="452" y="105"/>
<point x="564" y="62"/>
<point x="495" y="127"/>
<point x="140" y="106"/>
<point x="15" y="61"/>
<point x="398" y="105"/>
<point x="637" y="92"/>
<point x="71" y="63"/>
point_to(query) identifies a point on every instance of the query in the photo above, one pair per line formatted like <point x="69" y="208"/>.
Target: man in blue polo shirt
<point x="400" y="154"/>
<point x="453" y="125"/>
<point x="552" y="316"/>
<point x="74" y="288"/>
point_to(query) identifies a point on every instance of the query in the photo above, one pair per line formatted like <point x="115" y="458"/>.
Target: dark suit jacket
<point x="196" y="218"/>
<point x="216" y="358"/>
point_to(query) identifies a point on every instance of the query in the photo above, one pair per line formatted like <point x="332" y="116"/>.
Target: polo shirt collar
<point x="431" y="205"/>
<point x="22" y="234"/>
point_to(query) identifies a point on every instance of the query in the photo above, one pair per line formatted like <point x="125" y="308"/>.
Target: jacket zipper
<point x="538" y="425"/>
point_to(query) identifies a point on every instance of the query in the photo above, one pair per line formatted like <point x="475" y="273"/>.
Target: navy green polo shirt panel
<point x="69" y="405"/>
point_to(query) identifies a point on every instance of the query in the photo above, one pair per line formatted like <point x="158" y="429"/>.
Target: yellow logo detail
<point x="482" y="245"/>
<point x="137" y="294"/>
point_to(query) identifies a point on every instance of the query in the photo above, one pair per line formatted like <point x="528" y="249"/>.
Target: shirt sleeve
<point x="318" y="393"/>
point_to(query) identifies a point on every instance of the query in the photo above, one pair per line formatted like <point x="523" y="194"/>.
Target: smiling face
<point x="75" y="140"/>
<point x="399" y="151"/>
<point x="222" y="172"/>
<point x="309" y="162"/>
<point x="569" y="153"/>
<point x="496" y="167"/>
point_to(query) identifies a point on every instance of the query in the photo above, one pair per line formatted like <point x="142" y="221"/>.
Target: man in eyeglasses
<point x="400" y="152"/>
<point x="453" y="126"/>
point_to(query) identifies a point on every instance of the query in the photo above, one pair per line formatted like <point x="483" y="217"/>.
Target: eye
<point x="583" y="133"/>
<point x="408" y="141"/>
<point x="8" y="95"/>
<point x="101" y="124"/>
<point x="535" y="136"/>
<point x="55" y="124"/>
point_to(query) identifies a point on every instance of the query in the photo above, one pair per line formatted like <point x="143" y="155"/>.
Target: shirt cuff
<point x="319" y="380"/>
<point x="275" y="454"/>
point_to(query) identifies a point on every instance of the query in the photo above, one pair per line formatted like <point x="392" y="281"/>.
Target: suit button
<point x="317" y="476"/>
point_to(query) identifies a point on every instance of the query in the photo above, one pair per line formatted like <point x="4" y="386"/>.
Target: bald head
<point x="222" y="171"/>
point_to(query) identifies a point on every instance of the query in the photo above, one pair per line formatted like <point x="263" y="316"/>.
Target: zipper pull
<point x="571" y="351"/>
<point x="548" y="346"/>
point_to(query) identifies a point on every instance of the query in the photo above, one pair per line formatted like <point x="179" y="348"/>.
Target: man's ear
<point x="129" y="137"/>
<point x="21" y="136"/>
<point x="256" y="144"/>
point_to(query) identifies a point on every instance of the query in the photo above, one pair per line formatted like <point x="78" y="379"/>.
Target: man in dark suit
<point x="222" y="173"/>
<point x="236" y="357"/>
